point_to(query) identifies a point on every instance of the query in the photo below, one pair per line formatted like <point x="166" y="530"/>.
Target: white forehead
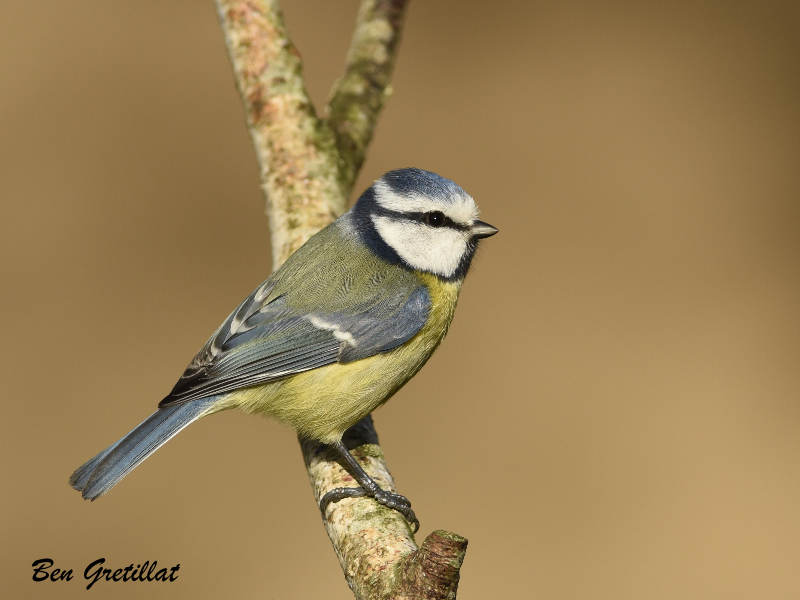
<point x="459" y="206"/>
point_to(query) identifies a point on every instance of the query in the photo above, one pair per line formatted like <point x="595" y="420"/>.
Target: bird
<point x="332" y="334"/>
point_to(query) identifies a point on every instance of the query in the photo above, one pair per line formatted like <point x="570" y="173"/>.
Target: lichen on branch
<point x="359" y="96"/>
<point x="296" y="152"/>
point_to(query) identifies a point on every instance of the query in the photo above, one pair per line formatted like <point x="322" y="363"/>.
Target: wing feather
<point x="272" y="335"/>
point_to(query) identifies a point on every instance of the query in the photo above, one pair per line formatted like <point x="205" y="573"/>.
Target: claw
<point x="387" y="499"/>
<point x="340" y="494"/>
<point x="368" y="488"/>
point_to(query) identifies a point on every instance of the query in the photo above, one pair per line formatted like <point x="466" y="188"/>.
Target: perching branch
<point x="308" y="167"/>
<point x="374" y="544"/>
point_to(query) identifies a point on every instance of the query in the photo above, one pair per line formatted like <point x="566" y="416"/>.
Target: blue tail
<point x="95" y="477"/>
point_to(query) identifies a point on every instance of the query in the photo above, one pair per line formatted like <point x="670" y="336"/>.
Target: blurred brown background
<point x="616" y="411"/>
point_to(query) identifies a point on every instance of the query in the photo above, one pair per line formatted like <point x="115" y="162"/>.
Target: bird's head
<point x="421" y="220"/>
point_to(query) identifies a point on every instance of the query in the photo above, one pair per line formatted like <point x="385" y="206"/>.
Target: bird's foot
<point x="388" y="499"/>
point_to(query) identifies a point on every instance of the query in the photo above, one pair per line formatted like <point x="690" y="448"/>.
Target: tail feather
<point x="102" y="472"/>
<point x="82" y="473"/>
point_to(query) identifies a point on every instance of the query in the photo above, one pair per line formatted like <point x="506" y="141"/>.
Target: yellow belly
<point x="322" y="403"/>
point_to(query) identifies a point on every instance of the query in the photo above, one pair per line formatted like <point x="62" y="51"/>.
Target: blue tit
<point x="348" y="319"/>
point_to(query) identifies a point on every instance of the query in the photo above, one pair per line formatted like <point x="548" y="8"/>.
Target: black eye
<point x="435" y="218"/>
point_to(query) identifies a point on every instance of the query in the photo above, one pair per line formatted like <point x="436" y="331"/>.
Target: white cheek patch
<point x="436" y="250"/>
<point x="462" y="209"/>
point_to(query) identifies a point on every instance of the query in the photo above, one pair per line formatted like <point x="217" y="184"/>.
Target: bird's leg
<point x="368" y="488"/>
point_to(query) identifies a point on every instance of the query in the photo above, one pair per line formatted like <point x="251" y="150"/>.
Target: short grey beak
<point x="483" y="230"/>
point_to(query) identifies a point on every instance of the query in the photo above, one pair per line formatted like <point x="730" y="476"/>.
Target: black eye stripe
<point x="424" y="217"/>
<point x="420" y="217"/>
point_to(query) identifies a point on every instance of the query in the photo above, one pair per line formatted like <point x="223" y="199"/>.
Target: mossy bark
<point x="296" y="151"/>
<point x="375" y="545"/>
<point x="359" y="96"/>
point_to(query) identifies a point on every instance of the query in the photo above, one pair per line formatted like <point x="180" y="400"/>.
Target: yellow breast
<point x="322" y="403"/>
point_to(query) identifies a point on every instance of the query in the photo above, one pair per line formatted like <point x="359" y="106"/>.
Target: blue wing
<point x="268" y="338"/>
